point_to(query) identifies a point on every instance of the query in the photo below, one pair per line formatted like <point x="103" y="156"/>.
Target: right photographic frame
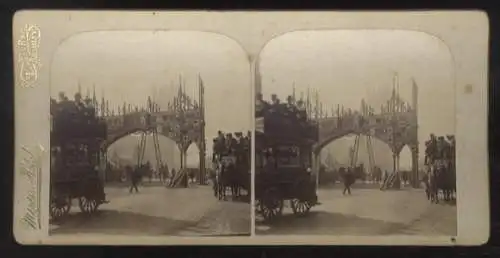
<point x="355" y="135"/>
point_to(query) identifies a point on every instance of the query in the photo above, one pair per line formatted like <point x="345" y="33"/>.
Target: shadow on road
<point x="118" y="222"/>
<point x="239" y="199"/>
<point x="358" y="185"/>
<point x="325" y="223"/>
<point x="141" y="184"/>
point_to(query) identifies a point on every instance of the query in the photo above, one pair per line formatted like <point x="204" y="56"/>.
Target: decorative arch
<point x="191" y="146"/>
<point x="407" y="150"/>
<point x="321" y="145"/>
<point x="108" y="142"/>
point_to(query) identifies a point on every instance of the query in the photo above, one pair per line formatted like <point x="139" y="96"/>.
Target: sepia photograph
<point x="250" y="128"/>
<point x="355" y="135"/>
<point x="142" y="141"/>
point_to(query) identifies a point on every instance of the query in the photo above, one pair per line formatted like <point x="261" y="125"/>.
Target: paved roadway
<point x="158" y="210"/>
<point x="368" y="211"/>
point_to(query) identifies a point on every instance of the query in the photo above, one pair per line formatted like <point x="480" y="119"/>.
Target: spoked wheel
<point x="300" y="207"/>
<point x="60" y="207"/>
<point x="87" y="205"/>
<point x="272" y="205"/>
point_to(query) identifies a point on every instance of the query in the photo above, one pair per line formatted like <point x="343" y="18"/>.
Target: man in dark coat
<point x="442" y="152"/>
<point x="261" y="106"/>
<point x="230" y="144"/>
<point x="220" y="145"/>
<point x="134" y="178"/>
<point x="301" y="110"/>
<point x="290" y="106"/>
<point x="348" y="181"/>
<point x="430" y="150"/>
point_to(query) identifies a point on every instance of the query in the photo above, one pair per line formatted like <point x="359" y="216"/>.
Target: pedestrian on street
<point x="134" y="179"/>
<point x="348" y="180"/>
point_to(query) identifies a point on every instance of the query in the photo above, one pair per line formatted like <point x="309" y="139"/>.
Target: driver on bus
<point x="275" y="102"/>
<point x="301" y="114"/>
<point x="89" y="108"/>
<point x="78" y="101"/>
<point x="270" y="162"/>
<point x="215" y="149"/>
<point x="274" y="99"/>
<point x="290" y="105"/>
<point x="230" y="143"/>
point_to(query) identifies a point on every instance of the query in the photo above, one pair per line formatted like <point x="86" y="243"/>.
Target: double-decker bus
<point x="283" y="155"/>
<point x="76" y="138"/>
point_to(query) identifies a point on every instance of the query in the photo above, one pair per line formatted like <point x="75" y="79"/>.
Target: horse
<point x="427" y="183"/>
<point x="214" y="176"/>
<point x="449" y="182"/>
<point x="242" y="177"/>
<point x="439" y="180"/>
<point x="226" y="177"/>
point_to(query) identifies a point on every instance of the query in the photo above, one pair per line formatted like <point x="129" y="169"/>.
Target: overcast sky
<point x="344" y="66"/>
<point x="130" y="65"/>
<point x="348" y="65"/>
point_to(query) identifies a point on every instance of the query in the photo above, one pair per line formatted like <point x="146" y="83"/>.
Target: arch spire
<point x="308" y="102"/>
<point x="94" y="97"/>
<point x="414" y="95"/>
<point x="87" y="92"/>
<point x="316" y="108"/>
<point x="79" y="87"/>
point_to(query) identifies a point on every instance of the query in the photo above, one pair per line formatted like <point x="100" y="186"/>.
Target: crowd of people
<point x="227" y="144"/>
<point x="75" y="118"/>
<point x="78" y="106"/>
<point x="231" y="159"/>
<point x="440" y="149"/>
<point x="291" y="108"/>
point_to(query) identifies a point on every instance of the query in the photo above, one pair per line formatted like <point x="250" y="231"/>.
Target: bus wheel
<point x="60" y="207"/>
<point x="271" y="206"/>
<point x="87" y="205"/>
<point x="300" y="207"/>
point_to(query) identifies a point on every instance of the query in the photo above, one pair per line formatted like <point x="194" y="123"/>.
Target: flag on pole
<point x="79" y="87"/>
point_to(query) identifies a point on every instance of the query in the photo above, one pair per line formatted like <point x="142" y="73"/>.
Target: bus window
<point x="288" y="156"/>
<point x="268" y="160"/>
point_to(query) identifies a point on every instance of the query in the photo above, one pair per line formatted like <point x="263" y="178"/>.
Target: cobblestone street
<point x="368" y="212"/>
<point x="158" y="210"/>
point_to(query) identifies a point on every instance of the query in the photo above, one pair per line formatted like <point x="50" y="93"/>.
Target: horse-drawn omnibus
<point x="76" y="137"/>
<point x="231" y="166"/>
<point x="283" y="157"/>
